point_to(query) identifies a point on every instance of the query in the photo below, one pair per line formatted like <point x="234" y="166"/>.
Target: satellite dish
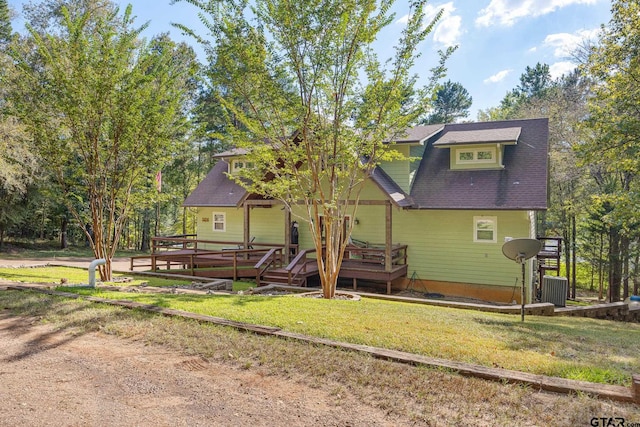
<point x="520" y="250"/>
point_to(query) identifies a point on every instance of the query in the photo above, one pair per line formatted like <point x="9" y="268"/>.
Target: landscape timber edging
<point x="542" y="382"/>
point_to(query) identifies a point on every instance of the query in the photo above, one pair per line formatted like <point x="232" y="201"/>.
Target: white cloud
<point x="508" y="12"/>
<point x="448" y="30"/>
<point x="499" y="76"/>
<point x="564" y="44"/>
<point x="559" y="68"/>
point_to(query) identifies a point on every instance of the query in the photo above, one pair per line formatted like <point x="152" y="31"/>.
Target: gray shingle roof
<point x="216" y="189"/>
<point x="521" y="185"/>
<point x="418" y="134"/>
<point x="390" y="188"/>
<point x="480" y="136"/>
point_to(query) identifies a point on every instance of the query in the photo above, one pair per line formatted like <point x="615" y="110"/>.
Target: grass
<point x="412" y="395"/>
<point x="575" y="348"/>
<point x="572" y="348"/>
<point x="77" y="276"/>
<point x="17" y="250"/>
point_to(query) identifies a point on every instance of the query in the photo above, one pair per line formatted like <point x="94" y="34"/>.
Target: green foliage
<point x="612" y="153"/>
<point x="310" y="103"/>
<point x="104" y="108"/>
<point x="5" y="24"/>
<point x="451" y="102"/>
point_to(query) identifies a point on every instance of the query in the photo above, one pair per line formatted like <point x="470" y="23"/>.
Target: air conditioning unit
<point x="554" y="290"/>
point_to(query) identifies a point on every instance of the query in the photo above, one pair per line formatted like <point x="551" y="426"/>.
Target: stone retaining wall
<point x="620" y="311"/>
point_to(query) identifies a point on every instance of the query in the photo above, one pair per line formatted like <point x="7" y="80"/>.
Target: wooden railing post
<point x="388" y="236"/>
<point x="235" y="266"/>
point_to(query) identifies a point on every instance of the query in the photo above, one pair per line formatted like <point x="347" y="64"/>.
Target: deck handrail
<point x="302" y="255"/>
<point x="271" y="257"/>
<point x="186" y="243"/>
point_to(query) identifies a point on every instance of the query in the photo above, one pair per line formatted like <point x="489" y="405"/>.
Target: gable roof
<point x="390" y="188"/>
<point x="418" y="134"/>
<point x="521" y="185"/>
<point x="479" y="136"/>
<point x="216" y="189"/>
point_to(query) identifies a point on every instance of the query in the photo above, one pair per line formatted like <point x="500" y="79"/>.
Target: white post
<point x="92" y="270"/>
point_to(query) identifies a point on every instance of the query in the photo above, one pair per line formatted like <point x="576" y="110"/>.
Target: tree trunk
<point x="615" y="277"/>
<point x="601" y="268"/>
<point x="145" y="245"/>
<point x="1" y="239"/>
<point x="624" y="242"/>
<point x="566" y="236"/>
<point x="573" y="256"/>
<point x="64" y="227"/>
<point x="636" y="272"/>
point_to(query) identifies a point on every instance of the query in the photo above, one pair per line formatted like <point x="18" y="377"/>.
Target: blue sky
<point x="497" y="39"/>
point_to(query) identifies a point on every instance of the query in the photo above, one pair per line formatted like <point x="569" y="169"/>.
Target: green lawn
<point x="576" y="348"/>
<point x="584" y="349"/>
<point x="78" y="276"/>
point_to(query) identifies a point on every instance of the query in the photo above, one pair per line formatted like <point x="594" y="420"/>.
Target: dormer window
<point x="478" y="149"/>
<point x="239" y="164"/>
<point x="475" y="155"/>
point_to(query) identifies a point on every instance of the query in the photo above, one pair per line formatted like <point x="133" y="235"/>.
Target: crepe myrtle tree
<point x="313" y="105"/>
<point x="103" y="108"/>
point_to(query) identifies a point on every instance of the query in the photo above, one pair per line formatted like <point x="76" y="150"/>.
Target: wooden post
<point x="355" y="284"/>
<point x="287" y="235"/>
<point x="235" y="266"/>
<point x="635" y="388"/>
<point x="247" y="230"/>
<point x="388" y="237"/>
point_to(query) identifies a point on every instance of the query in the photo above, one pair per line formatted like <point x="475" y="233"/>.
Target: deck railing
<point x="272" y="259"/>
<point x="376" y="254"/>
<point x="300" y="258"/>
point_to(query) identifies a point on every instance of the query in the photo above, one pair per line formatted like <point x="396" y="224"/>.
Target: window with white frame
<point x="476" y="155"/>
<point x="219" y="221"/>
<point x="485" y="229"/>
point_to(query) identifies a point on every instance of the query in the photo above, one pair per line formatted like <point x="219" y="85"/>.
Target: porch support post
<point x="246" y="227"/>
<point x="388" y="237"/>
<point x="287" y="234"/>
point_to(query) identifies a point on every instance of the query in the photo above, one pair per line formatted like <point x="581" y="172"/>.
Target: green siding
<point x="234" y="226"/>
<point x="399" y="170"/>
<point x="441" y="246"/>
<point x="440" y="243"/>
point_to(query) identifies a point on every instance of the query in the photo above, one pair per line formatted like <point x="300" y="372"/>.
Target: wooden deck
<point x="268" y="265"/>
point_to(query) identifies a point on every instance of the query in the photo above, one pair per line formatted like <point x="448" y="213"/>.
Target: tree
<point x="451" y="102"/>
<point x="614" y="121"/>
<point x="103" y="107"/>
<point x="312" y="88"/>
<point x="5" y="24"/>
<point x="535" y="83"/>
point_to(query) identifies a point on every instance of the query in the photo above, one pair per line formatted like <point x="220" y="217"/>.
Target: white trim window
<point x="219" y="221"/>
<point x="485" y="229"/>
<point x="475" y="155"/>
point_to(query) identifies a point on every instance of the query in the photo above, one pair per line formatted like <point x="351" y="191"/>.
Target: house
<point x="463" y="191"/>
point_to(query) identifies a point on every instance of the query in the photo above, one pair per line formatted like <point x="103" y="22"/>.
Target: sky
<point x="496" y="39"/>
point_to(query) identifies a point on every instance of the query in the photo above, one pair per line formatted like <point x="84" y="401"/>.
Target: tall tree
<point x="451" y="102"/>
<point x="614" y="120"/>
<point x="103" y="108"/>
<point x="5" y="24"/>
<point x="298" y="67"/>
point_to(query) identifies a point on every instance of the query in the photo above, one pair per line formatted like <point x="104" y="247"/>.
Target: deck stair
<point x="293" y="275"/>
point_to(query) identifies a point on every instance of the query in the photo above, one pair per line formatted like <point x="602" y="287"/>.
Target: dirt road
<point x="54" y="378"/>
